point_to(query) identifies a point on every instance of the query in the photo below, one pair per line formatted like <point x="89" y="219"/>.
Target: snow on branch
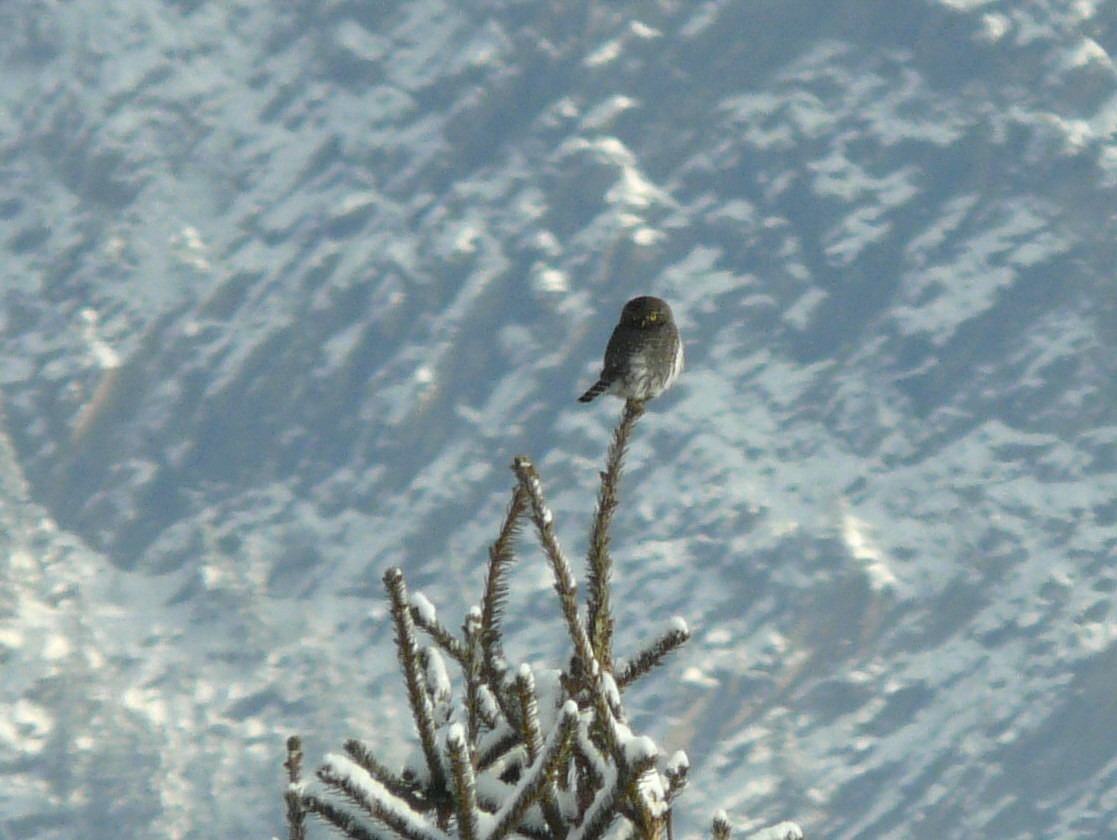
<point x="511" y="750"/>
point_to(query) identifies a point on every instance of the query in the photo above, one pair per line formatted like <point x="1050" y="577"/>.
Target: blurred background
<point x="285" y="287"/>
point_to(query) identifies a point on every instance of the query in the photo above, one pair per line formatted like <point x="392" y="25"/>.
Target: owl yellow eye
<point x="654" y="316"/>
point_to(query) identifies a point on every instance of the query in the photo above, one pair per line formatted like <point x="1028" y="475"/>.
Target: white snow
<point x="344" y="767"/>
<point x="427" y="612"/>
<point x="490" y="709"/>
<point x="857" y="536"/>
<point x="678" y="762"/>
<point x="994" y="26"/>
<point x="639" y="747"/>
<point x="103" y="355"/>
<point x="455" y="735"/>
<point x="609" y="684"/>
<point x="677" y="624"/>
<point x="438" y="679"/>
<point x="782" y="831"/>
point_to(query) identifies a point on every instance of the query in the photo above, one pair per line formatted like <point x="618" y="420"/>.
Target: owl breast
<point x="652" y="370"/>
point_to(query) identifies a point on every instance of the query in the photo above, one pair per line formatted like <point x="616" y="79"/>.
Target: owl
<point x="644" y="356"/>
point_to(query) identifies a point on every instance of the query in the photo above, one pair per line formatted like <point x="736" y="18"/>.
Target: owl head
<point x="646" y="313"/>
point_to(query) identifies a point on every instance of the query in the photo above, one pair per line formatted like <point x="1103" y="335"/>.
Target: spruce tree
<point x="518" y="751"/>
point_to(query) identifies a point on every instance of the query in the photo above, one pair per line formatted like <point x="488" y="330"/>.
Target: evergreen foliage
<point x="544" y="754"/>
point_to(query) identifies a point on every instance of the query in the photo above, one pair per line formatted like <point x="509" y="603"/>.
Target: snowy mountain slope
<point x="286" y="290"/>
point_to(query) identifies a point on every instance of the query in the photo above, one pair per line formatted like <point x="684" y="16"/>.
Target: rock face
<point x="286" y="286"/>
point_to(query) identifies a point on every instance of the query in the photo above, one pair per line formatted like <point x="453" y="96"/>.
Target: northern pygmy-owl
<point x="644" y="356"/>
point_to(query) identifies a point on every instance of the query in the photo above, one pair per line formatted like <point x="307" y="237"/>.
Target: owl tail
<point x="596" y="391"/>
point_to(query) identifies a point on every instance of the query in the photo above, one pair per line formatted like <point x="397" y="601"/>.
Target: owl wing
<point x="618" y="352"/>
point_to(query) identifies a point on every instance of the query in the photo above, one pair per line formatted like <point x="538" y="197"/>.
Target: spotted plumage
<point x="644" y="356"/>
